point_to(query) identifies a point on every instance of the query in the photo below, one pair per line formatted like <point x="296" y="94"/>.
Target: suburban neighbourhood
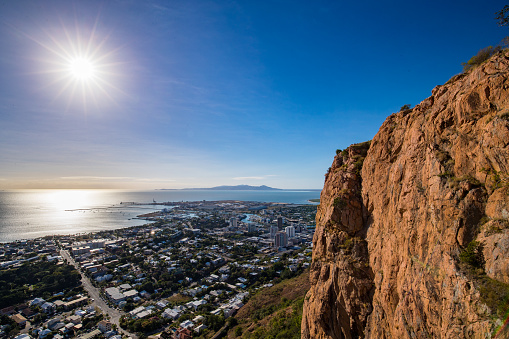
<point x="182" y="275"/>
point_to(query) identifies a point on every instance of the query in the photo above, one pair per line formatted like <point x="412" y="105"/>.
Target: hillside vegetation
<point x="274" y="312"/>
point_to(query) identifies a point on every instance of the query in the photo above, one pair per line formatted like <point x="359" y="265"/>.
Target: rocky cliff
<point x="412" y="235"/>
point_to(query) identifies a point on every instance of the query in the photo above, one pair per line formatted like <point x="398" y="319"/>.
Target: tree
<point x="503" y="16"/>
<point x="148" y="286"/>
<point x="405" y="107"/>
<point x="214" y="322"/>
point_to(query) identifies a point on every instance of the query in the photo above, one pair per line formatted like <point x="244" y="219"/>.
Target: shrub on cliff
<point x="339" y="202"/>
<point x="485" y="53"/>
<point x="405" y="108"/>
<point x="481" y="56"/>
<point x="473" y="255"/>
<point x="362" y="146"/>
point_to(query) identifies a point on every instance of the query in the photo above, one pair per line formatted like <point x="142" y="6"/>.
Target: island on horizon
<point x="235" y="188"/>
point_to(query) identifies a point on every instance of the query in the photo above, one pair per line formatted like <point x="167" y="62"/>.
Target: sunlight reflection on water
<point x="26" y="214"/>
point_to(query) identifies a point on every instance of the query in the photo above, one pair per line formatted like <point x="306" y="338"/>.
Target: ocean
<point x="28" y="214"/>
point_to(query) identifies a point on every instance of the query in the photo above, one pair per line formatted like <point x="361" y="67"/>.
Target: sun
<point x="82" y="69"/>
<point x="79" y="66"/>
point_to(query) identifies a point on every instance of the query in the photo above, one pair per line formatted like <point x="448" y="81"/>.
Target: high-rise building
<point x="280" y="222"/>
<point x="280" y="240"/>
<point x="290" y="231"/>
<point x="273" y="231"/>
<point x="233" y="222"/>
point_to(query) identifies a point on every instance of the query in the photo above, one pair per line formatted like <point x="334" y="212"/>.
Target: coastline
<point x="29" y="214"/>
<point x="90" y="219"/>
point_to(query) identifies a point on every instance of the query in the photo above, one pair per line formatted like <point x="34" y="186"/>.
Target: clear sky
<point x="197" y="93"/>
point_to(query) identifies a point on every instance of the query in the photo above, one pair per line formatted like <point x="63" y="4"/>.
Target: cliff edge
<point x="412" y="235"/>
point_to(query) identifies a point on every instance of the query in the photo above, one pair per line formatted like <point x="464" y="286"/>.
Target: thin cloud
<point x="255" y="178"/>
<point x="96" y="178"/>
<point x="248" y="178"/>
<point x="116" y="178"/>
<point x="154" y="180"/>
<point x="159" y="7"/>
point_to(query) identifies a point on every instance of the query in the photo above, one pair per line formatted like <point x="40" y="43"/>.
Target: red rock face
<point x="392" y="227"/>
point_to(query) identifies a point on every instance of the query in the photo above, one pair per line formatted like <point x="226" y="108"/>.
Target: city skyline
<point x="168" y="94"/>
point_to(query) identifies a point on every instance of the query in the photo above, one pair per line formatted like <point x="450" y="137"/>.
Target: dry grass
<point x="290" y="289"/>
<point x="274" y="301"/>
<point x="179" y="298"/>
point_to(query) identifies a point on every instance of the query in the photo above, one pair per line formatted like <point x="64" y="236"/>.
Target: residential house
<point x="130" y="294"/>
<point x="187" y="324"/>
<point x="90" y="335"/>
<point x="200" y="328"/>
<point x="75" y="319"/>
<point x="104" y="326"/>
<point x="43" y="333"/>
<point x="23" y="336"/>
<point x="161" y="304"/>
<point x="19" y="319"/>
<point x="37" y="302"/>
<point x="136" y="311"/>
<point x="170" y="314"/>
<point x="184" y="333"/>
<point x="48" y="307"/>
<point x="75" y="303"/>
<point x="8" y="310"/>
<point x="196" y="303"/>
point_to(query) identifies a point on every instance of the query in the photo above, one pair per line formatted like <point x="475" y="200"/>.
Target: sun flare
<point x="82" y="69"/>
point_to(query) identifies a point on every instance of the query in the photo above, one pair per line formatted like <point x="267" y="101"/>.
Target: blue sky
<point x="204" y="93"/>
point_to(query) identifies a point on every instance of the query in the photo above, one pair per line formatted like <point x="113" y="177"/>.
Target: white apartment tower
<point x="290" y="231"/>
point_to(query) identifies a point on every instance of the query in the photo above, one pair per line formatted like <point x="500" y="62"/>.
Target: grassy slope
<point x="275" y="312"/>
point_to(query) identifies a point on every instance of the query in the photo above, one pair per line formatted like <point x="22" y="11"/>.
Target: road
<point x="95" y="294"/>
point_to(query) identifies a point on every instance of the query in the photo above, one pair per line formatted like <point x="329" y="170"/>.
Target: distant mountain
<point x="231" y="188"/>
<point x="243" y="188"/>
